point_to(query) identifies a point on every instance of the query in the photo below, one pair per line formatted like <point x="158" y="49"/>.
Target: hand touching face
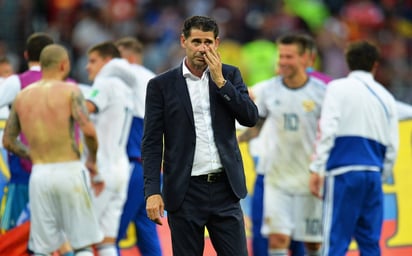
<point x="201" y="52"/>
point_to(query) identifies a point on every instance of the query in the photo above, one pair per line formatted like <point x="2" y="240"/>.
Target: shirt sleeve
<point x="393" y="143"/>
<point x="259" y="94"/>
<point x="9" y="89"/>
<point x="100" y="93"/>
<point x="328" y="126"/>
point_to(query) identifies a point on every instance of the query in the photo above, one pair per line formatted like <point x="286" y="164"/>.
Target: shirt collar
<point x="186" y="72"/>
<point x="35" y="68"/>
<point x="361" y="74"/>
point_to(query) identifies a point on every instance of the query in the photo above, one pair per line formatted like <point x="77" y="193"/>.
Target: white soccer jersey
<point x="143" y="75"/>
<point x="259" y="146"/>
<point x="359" y="127"/>
<point x="10" y="87"/>
<point x="292" y="117"/>
<point x="112" y="95"/>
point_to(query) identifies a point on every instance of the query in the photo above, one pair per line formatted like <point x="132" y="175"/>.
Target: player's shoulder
<point x="316" y="82"/>
<point x="264" y="85"/>
<point x="142" y="70"/>
<point x="10" y="81"/>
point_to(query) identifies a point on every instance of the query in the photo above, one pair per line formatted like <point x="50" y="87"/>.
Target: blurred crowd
<point x="248" y="30"/>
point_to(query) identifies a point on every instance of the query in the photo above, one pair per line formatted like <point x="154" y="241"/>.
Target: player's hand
<point x="212" y="59"/>
<point x="97" y="187"/>
<point x="316" y="184"/>
<point x="91" y="165"/>
<point x="97" y="183"/>
<point x="155" y="208"/>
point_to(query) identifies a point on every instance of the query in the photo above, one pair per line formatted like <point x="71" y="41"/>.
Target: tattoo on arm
<point x="75" y="146"/>
<point x="79" y="110"/>
<point x="81" y="116"/>
<point x="11" y="133"/>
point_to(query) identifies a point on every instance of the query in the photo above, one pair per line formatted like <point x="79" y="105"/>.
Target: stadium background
<point x="248" y="30"/>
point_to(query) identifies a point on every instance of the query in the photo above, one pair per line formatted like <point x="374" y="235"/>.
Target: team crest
<point x="308" y="105"/>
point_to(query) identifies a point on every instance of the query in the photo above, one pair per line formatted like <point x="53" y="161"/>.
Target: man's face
<point x="6" y="69"/>
<point x="196" y="45"/>
<point x="95" y="64"/>
<point x="290" y="62"/>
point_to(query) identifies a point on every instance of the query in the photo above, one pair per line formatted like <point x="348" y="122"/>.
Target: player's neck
<point x="52" y="76"/>
<point x="296" y="81"/>
<point x="31" y="64"/>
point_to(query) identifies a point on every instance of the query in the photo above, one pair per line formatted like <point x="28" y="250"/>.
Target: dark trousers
<point x="212" y="205"/>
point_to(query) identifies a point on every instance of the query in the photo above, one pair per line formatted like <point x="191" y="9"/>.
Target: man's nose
<point x="203" y="47"/>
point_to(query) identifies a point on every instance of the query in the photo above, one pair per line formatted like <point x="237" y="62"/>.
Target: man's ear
<point x="217" y="43"/>
<point x="26" y="55"/>
<point x="63" y="65"/>
<point x="182" y="41"/>
<point x="375" y="67"/>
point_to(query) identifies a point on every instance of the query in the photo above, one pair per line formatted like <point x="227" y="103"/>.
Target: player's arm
<point x="80" y="114"/>
<point x="9" y="89"/>
<point x="11" y="133"/>
<point x="252" y="132"/>
<point x="90" y="107"/>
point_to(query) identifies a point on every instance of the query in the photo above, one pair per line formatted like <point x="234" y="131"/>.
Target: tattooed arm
<point x="11" y="133"/>
<point x="81" y="116"/>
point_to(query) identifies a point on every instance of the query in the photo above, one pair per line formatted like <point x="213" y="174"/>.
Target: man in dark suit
<point x="189" y="133"/>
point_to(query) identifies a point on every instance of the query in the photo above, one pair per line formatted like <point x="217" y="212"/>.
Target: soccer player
<point x="135" y="206"/>
<point x="356" y="150"/>
<point x="111" y="100"/>
<point x="289" y="106"/>
<point x="17" y="193"/>
<point x="46" y="112"/>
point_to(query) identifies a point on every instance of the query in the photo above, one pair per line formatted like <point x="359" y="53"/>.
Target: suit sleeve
<point x="236" y="95"/>
<point x="152" y="143"/>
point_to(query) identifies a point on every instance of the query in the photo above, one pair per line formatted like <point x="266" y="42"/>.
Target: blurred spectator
<point x="90" y="29"/>
<point x="77" y="24"/>
<point x="6" y="68"/>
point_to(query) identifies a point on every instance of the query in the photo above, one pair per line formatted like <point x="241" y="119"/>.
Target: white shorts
<point x="61" y="207"/>
<point x="109" y="203"/>
<point x="298" y="216"/>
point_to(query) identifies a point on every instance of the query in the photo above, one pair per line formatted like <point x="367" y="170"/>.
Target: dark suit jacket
<point x="169" y="121"/>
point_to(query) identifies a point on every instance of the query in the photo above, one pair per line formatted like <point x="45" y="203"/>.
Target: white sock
<point x="106" y="250"/>
<point x="84" y="252"/>
<point x="278" y="252"/>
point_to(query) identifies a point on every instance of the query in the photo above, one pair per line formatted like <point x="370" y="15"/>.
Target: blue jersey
<point x="135" y="139"/>
<point x="358" y="128"/>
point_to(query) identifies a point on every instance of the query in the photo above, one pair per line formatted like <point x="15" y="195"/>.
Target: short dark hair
<point x="203" y="23"/>
<point x="130" y="43"/>
<point x="310" y="43"/>
<point x="361" y="55"/>
<point x="105" y="49"/>
<point x="303" y="41"/>
<point x="35" y="44"/>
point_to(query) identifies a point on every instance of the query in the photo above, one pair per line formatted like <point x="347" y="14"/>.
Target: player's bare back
<point x="45" y="116"/>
